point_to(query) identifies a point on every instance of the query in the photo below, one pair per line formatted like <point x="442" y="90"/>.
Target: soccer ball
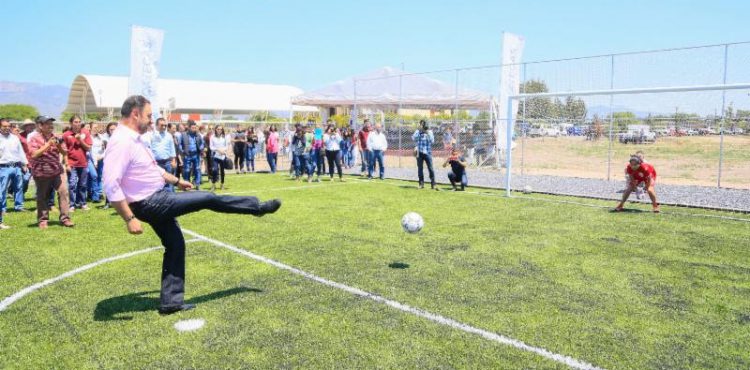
<point x="527" y="189"/>
<point x="412" y="222"/>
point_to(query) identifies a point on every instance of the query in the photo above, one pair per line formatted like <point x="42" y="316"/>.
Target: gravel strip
<point x="736" y="200"/>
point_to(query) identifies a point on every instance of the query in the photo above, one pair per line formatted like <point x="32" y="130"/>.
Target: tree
<point x="575" y="109"/>
<point x="18" y="112"/>
<point x="537" y="107"/>
<point x="90" y="117"/>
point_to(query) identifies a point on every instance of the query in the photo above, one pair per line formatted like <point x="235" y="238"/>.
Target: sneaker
<point x="67" y="223"/>
<point x="72" y="209"/>
<point x="656" y="209"/>
<point x="85" y="208"/>
<point x="4" y="226"/>
<point x="617" y="209"/>
<point x="421" y="185"/>
<point x="42" y="225"/>
<point x="309" y="179"/>
<point x="341" y="179"/>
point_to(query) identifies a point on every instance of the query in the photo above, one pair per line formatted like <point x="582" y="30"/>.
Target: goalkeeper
<point x="638" y="172"/>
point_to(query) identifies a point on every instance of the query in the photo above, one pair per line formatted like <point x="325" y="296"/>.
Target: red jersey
<point x="76" y="153"/>
<point x="645" y="172"/>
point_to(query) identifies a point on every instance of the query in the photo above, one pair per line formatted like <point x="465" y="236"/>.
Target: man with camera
<point x="48" y="171"/>
<point x="424" y="138"/>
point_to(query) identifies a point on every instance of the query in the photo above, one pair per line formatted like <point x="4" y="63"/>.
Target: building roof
<point x="100" y="93"/>
<point x="389" y="87"/>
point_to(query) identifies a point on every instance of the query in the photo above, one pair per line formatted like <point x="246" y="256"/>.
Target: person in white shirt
<point x="332" y="142"/>
<point x="163" y="148"/>
<point x="377" y="144"/>
<point x="218" y="145"/>
<point x="13" y="164"/>
<point x="96" y="162"/>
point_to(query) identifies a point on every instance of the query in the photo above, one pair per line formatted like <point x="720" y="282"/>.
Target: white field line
<point x="5" y="303"/>
<point x="300" y="187"/>
<point x="574" y="363"/>
<point x="683" y="214"/>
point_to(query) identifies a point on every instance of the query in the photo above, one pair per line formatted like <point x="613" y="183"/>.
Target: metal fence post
<point x="611" y="115"/>
<point x="400" y="117"/>
<point x="524" y="127"/>
<point x="723" y="116"/>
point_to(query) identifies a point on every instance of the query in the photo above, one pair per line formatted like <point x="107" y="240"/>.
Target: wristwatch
<point x="129" y="218"/>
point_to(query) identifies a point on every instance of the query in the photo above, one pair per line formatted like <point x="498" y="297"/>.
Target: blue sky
<point x="311" y="43"/>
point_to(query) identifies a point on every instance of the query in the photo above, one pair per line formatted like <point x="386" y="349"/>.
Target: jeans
<point x="217" y="168"/>
<point x="454" y="179"/>
<point x="365" y="156"/>
<point x="77" y="186"/>
<point x="192" y="167"/>
<point x="250" y="158"/>
<point x="333" y="158"/>
<point x="421" y="158"/>
<point x="161" y="209"/>
<point x="376" y="156"/>
<point x="11" y="176"/>
<point x="271" y="157"/>
<point x="95" y="179"/>
<point x="239" y="157"/>
<point x="167" y="166"/>
<point x="316" y="161"/>
<point x="301" y="164"/>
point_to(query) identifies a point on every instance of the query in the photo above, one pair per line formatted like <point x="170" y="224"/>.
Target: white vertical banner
<point x="510" y="80"/>
<point x="145" y="53"/>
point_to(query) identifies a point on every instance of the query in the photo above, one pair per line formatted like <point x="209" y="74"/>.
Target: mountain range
<point x="50" y="100"/>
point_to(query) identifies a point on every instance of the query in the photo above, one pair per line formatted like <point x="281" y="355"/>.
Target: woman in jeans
<point x="332" y="141"/>
<point x="239" y="144"/>
<point x="272" y="147"/>
<point x="252" y="148"/>
<point x="218" y="145"/>
<point x="345" y="144"/>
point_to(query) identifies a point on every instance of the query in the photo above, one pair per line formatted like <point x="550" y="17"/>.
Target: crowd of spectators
<point x="68" y="166"/>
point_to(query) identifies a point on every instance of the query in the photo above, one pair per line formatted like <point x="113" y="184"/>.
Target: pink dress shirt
<point x="130" y="171"/>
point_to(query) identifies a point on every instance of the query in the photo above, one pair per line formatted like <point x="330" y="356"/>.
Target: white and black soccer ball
<point x="412" y="222"/>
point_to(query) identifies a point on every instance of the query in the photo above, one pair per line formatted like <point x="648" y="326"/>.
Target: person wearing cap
<point x="48" y="171"/>
<point x="424" y="138"/>
<point x="78" y="142"/>
<point x="134" y="185"/>
<point x="12" y="165"/>
<point x="638" y="172"/>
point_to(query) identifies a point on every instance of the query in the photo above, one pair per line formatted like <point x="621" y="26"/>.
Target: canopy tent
<point x="389" y="87"/>
<point x="91" y="93"/>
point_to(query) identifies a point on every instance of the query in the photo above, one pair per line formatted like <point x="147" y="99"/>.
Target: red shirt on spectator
<point x="76" y="153"/>
<point x="25" y="145"/>
<point x="48" y="164"/>
<point x="363" y="138"/>
<point x="644" y="173"/>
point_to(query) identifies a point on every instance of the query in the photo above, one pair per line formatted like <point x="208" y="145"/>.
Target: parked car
<point x="706" y="131"/>
<point x="691" y="132"/>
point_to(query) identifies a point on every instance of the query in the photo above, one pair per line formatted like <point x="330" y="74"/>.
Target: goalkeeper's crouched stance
<point x="638" y="172"/>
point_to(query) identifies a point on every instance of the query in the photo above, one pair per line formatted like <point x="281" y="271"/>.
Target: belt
<point x="192" y="153"/>
<point x="11" y="165"/>
<point x="163" y="161"/>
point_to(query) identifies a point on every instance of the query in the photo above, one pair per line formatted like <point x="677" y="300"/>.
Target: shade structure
<point x="102" y="93"/>
<point x="389" y="87"/>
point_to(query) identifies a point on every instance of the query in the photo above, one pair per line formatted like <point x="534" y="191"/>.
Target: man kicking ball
<point x="638" y="172"/>
<point x="134" y="185"/>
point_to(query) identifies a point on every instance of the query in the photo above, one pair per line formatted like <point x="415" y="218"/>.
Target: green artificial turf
<point x="617" y="290"/>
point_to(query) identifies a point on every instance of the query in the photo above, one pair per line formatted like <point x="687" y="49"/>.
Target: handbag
<point x="228" y="164"/>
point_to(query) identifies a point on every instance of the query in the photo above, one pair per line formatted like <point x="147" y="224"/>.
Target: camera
<point x="60" y="140"/>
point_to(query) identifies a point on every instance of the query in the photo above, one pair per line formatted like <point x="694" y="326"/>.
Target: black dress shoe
<point x="269" y="206"/>
<point x="173" y="309"/>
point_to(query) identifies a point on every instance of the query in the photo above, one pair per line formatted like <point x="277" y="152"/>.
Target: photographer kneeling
<point x="458" y="170"/>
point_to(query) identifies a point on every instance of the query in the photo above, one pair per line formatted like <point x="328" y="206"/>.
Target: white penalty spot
<point x="189" y="325"/>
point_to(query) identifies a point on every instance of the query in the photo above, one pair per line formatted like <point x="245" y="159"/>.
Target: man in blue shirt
<point x="162" y="145"/>
<point x="424" y="139"/>
<point x="458" y="170"/>
<point x="192" y="148"/>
